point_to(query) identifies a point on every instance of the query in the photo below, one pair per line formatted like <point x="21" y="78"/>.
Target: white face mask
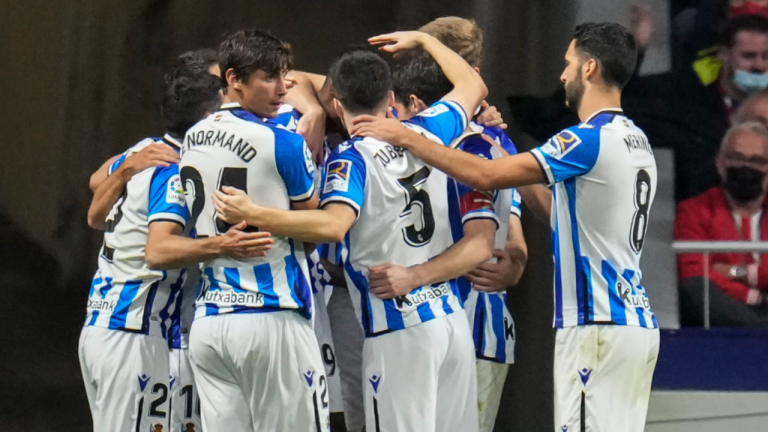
<point x="750" y="82"/>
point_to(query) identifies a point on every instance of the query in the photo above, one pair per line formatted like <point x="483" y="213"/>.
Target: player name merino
<point x="224" y="140"/>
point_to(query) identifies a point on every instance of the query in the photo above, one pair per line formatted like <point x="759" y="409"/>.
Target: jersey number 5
<point x="417" y="198"/>
<point x="643" y="205"/>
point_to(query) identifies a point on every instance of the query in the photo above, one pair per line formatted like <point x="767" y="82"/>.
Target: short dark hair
<point x="187" y="99"/>
<point x="421" y="76"/>
<point x="247" y="51"/>
<point x="193" y="62"/>
<point x="361" y="80"/>
<point x="740" y="23"/>
<point x="612" y="47"/>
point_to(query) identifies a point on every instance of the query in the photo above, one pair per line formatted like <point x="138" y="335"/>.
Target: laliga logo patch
<point x="308" y="160"/>
<point x="433" y="111"/>
<point x="175" y="194"/>
<point x="560" y="144"/>
<point x="337" y="177"/>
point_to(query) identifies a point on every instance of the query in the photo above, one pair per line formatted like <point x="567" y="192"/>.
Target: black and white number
<point x="154" y="408"/>
<point x="194" y="188"/>
<point x="417" y="198"/>
<point x="114" y="218"/>
<point x="329" y="358"/>
<point x="642" y="197"/>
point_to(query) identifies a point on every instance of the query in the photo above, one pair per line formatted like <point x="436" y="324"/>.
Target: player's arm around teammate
<point x="510" y="262"/>
<point x="109" y="182"/>
<point x="167" y="248"/>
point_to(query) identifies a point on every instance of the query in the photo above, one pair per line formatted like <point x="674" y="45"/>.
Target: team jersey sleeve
<point x="444" y="119"/>
<point x="475" y="204"/>
<point x="517" y="202"/>
<point x="294" y="163"/>
<point x="116" y="164"/>
<point x="497" y="134"/>
<point x="345" y="174"/>
<point x="166" y="196"/>
<point x="572" y="152"/>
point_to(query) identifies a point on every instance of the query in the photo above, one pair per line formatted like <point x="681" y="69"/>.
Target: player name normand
<point x="222" y="139"/>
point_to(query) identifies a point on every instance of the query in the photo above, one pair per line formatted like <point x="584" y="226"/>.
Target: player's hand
<point x="311" y="126"/>
<point x="399" y="41"/>
<point x="289" y="80"/>
<point x="233" y="205"/>
<point x="641" y="26"/>
<point x="490" y="116"/>
<point x="495" y="277"/>
<point x="239" y="244"/>
<point x="153" y="155"/>
<point x="388" y="281"/>
<point x="383" y="129"/>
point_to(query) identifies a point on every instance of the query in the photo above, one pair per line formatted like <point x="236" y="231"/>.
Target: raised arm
<point x="303" y="97"/>
<point x="469" y="89"/>
<point x="507" y="172"/>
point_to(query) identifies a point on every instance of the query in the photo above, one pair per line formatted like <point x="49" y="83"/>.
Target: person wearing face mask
<point x="734" y="211"/>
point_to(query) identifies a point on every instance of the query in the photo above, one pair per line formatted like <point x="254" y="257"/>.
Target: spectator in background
<point x="735" y="211"/>
<point x="754" y="109"/>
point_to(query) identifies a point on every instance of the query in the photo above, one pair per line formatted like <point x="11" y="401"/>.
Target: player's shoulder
<point x="498" y="135"/>
<point x="287" y="117"/>
<point x="349" y="149"/>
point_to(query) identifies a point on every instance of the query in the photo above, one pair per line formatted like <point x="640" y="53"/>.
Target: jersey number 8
<point x="642" y="197"/>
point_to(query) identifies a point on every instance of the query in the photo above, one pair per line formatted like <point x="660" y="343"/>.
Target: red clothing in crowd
<point x="708" y="217"/>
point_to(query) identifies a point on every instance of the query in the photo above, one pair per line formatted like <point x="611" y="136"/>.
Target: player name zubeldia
<point x="388" y="153"/>
<point x="222" y="139"/>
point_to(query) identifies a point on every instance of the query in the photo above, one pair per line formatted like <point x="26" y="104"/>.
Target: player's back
<point x="125" y="293"/>
<point x="235" y="148"/>
<point x="606" y="176"/>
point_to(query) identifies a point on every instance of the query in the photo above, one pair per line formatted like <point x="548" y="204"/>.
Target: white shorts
<point x="348" y="338"/>
<point x="126" y="379"/>
<point x="422" y="378"/>
<point x="259" y="372"/>
<point x="490" y="384"/>
<point x="603" y="377"/>
<point x="327" y="352"/>
<point x="185" y="402"/>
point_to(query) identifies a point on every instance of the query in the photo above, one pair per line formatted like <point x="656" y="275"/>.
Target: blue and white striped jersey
<point x="493" y="329"/>
<point x="400" y="219"/>
<point x="605" y="177"/>
<point x="125" y="294"/>
<point x="498" y="135"/>
<point x="233" y="147"/>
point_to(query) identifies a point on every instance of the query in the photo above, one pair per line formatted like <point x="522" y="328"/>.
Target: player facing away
<point x="253" y="350"/>
<point x="417" y="85"/>
<point x="418" y="361"/>
<point x="605" y="180"/>
<point x="123" y="351"/>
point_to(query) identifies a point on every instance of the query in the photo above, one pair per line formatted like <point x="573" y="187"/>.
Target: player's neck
<point x="597" y="101"/>
<point x="349" y="117"/>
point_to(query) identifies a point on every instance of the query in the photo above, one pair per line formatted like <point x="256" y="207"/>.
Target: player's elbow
<point x="154" y="258"/>
<point x="95" y="221"/>
<point x="336" y="234"/>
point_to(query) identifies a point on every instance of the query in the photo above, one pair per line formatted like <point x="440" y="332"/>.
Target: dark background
<point x="80" y="82"/>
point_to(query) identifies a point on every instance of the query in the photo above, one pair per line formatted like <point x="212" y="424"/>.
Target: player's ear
<point x="232" y="79"/>
<point x="339" y="111"/>
<point x="391" y="102"/>
<point x="589" y="69"/>
<point x="477" y="69"/>
<point x="416" y="105"/>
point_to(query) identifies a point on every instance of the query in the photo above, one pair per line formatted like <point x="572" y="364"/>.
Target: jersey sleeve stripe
<point x="480" y="215"/>
<point x="305" y="196"/>
<point x="168" y="217"/>
<point x="516" y="211"/>
<point x="544" y="166"/>
<point x="342" y="200"/>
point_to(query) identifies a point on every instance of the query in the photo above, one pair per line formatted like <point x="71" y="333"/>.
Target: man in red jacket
<point x="734" y="211"/>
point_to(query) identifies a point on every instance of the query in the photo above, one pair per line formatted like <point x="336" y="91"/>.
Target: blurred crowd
<point x="711" y="109"/>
